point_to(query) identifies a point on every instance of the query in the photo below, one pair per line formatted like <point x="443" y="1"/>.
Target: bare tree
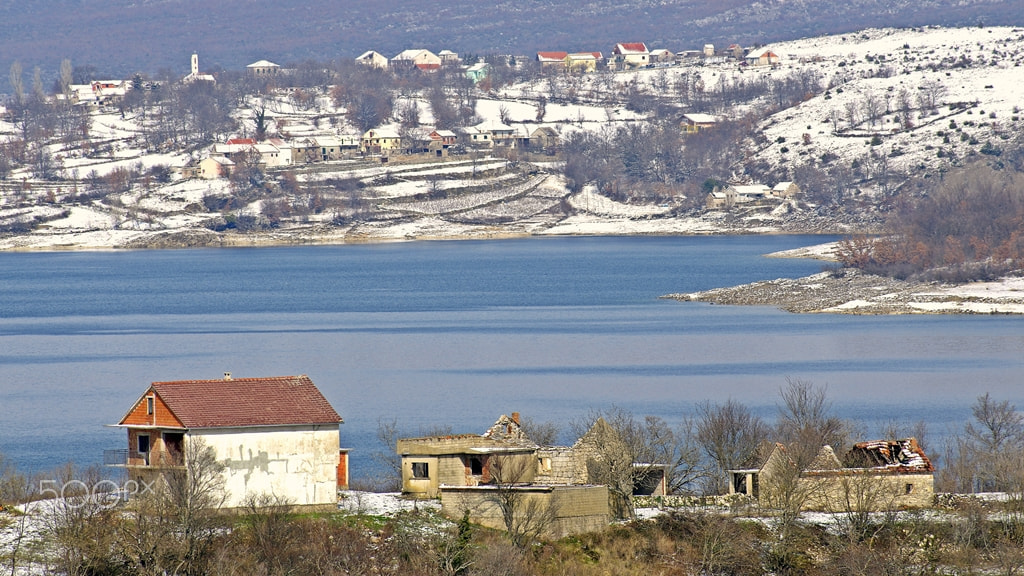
<point x="624" y="452"/>
<point x="806" y="422"/>
<point x="272" y="536"/>
<point x="930" y="94"/>
<point x="17" y="83"/>
<point x="873" y="107"/>
<point x="80" y="523"/>
<point x="65" y="76"/>
<point x="388" y="457"/>
<point x="526" y="516"/>
<point x="192" y="495"/>
<point x="542" y="433"/>
<point x="729" y="434"/>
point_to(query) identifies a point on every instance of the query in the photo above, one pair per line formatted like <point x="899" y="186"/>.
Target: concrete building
<point x="274" y="436"/>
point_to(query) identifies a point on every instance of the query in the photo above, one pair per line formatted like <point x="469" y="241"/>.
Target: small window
<point x="476" y="466"/>
<point x="143" y="443"/>
<point x="544" y="464"/>
<point x="149" y="405"/>
<point x="908" y="489"/>
<point x="420" y="470"/>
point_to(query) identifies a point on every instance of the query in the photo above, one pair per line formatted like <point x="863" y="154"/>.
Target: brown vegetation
<point x="968" y="227"/>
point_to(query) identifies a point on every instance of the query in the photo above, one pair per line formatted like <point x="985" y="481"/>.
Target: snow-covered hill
<point x="975" y="77"/>
<point x="886" y="104"/>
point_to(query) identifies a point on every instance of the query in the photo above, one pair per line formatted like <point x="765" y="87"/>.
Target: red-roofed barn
<point x="274" y="436"/>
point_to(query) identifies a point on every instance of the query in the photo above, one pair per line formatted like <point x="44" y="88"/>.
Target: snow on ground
<point x="590" y="201"/>
<point x="1004" y="288"/>
<point x="594" y="225"/>
<point x="977" y="71"/>
<point x="826" y="251"/>
<point x="82" y="218"/>
<point x="381" y="504"/>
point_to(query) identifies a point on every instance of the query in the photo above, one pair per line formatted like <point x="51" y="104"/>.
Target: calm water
<point x="436" y="333"/>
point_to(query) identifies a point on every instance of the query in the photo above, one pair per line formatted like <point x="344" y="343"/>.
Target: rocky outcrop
<point x="848" y="291"/>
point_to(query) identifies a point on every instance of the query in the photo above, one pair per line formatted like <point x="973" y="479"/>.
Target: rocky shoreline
<point x="848" y="291"/>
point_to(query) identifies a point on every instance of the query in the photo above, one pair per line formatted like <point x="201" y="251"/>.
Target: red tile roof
<point x="249" y="141"/>
<point x="551" y="56"/>
<point x="631" y="48"/>
<point x="226" y="403"/>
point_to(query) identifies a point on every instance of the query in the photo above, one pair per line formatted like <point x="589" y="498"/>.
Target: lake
<point x="456" y="333"/>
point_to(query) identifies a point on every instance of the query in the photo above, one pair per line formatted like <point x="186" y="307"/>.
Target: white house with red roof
<point x="631" y="55"/>
<point x="275" y="436"/>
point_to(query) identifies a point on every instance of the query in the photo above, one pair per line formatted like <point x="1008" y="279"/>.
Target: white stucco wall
<point x="299" y="463"/>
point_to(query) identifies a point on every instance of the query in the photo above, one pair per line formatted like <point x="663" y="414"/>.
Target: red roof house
<point x="551" y="59"/>
<point x="275" y="435"/>
<point x="631" y="55"/>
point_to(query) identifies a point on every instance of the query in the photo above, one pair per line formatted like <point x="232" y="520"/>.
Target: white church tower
<point x="195" y="75"/>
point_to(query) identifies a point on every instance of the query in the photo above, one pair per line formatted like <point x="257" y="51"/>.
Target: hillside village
<point x="814" y="135"/>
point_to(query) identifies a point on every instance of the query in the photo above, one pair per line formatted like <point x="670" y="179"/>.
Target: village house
<point x="477" y="72"/>
<point x="416" y="58"/>
<point x="544" y="138"/>
<point x="876" y="475"/>
<point x="693" y="123"/>
<point x="552" y="60"/>
<point x="628" y="55"/>
<point x="263" y="68"/>
<point x="583" y="62"/>
<point x="272" y="153"/>
<point x="380" y="141"/>
<point x="447" y="138"/>
<point x="213" y="167"/>
<point x="761" y="57"/>
<point x="662" y="56"/>
<point x="275" y="435"/>
<point x="785" y="190"/>
<point x="491" y="134"/>
<point x="99" y="92"/>
<point x="373" y="59"/>
<point x="750" y="192"/>
<point x="449" y="58"/>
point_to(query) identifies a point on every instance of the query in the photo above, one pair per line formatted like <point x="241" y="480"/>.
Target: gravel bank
<point x="851" y="292"/>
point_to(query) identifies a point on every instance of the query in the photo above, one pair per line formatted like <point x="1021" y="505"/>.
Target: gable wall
<point x="162" y="415"/>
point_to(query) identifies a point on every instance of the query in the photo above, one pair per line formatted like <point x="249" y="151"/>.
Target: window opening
<point x="420" y="470"/>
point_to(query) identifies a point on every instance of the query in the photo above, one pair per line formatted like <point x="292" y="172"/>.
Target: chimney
<point x="515" y="417"/>
<point x="227" y="375"/>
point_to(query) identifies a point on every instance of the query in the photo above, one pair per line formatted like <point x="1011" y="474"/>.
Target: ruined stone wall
<point x="857" y="491"/>
<point x="558" y="465"/>
<point x="576" y="509"/>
